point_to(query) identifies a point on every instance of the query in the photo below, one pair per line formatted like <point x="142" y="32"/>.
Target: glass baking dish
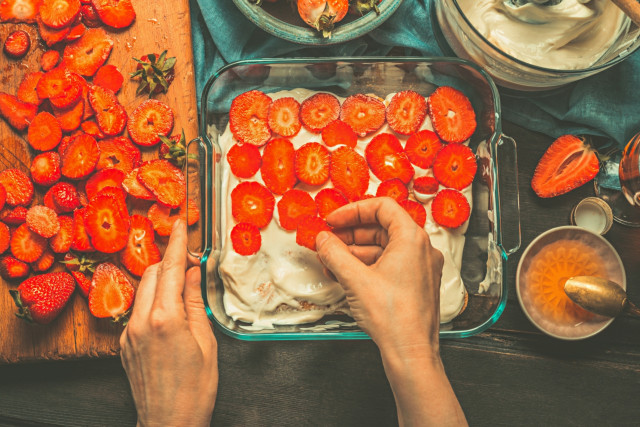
<point x="494" y="226"/>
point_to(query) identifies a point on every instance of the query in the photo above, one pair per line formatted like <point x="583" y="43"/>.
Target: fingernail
<point x="321" y="238"/>
<point x="176" y="224"/>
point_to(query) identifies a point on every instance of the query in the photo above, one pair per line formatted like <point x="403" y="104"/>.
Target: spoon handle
<point x="631" y="8"/>
<point x="632" y="309"/>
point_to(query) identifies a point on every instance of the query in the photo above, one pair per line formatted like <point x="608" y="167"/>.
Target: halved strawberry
<point x="141" y="250"/>
<point x="27" y="245"/>
<point x="248" y="118"/>
<point x="451" y="114"/>
<point x="387" y="160"/>
<point x="90" y="16"/>
<point x="284" y="117"/>
<point x="19" y="10"/>
<point x="338" y="132"/>
<point x="80" y="157"/>
<point x="455" y="166"/>
<point x="49" y="60"/>
<point x="149" y="120"/>
<point x="109" y="77"/>
<point x="111" y="294"/>
<point x="393" y="188"/>
<point x="308" y="229"/>
<point x="44" y="132"/>
<point x="91" y="128"/>
<point x="17" y="113"/>
<point x="426" y="185"/>
<point x="364" y="113"/>
<point x="162" y="217"/>
<point x="71" y="117"/>
<point x="76" y="31"/>
<point x="165" y="181"/>
<point x="252" y="202"/>
<point x="317" y="111"/>
<point x="416" y="210"/>
<point x="406" y="112"/>
<point x="312" y="163"/>
<point x="88" y="53"/>
<point x="65" y="197"/>
<point x="349" y="173"/>
<point x="17" y="44"/>
<point x="18" y="187"/>
<point x="244" y="160"/>
<point x="51" y="36"/>
<point x="115" y="13"/>
<point x="278" y="165"/>
<point x="422" y="147"/>
<point x="45" y="261"/>
<point x="45" y="168"/>
<point x="245" y="238"/>
<point x="450" y="208"/>
<point x="568" y="163"/>
<point x="106" y="224"/>
<point x="15" y="216"/>
<point x="83" y="282"/>
<point x="62" y="88"/>
<point x="110" y="114"/>
<point x="81" y="241"/>
<point x="61" y="242"/>
<point x="13" y="269"/>
<point x="5" y="237"/>
<point x="59" y="13"/>
<point x="132" y="186"/>
<point x="118" y="153"/>
<point x="328" y="200"/>
<point x="293" y="205"/>
<point x="105" y="178"/>
<point x="27" y="89"/>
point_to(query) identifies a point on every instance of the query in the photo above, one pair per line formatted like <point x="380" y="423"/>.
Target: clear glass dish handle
<point x="198" y="173"/>
<point x="507" y="197"/>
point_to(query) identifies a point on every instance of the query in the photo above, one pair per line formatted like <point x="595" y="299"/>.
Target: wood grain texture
<point x="159" y="25"/>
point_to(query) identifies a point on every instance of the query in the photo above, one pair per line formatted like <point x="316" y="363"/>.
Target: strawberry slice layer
<point x="317" y="111"/>
<point x="248" y="118"/>
<point x="451" y="114"/>
<point x="308" y="229"/>
<point x="246" y="239"/>
<point x="387" y="160"/>
<point x="293" y="205"/>
<point x="88" y="53"/>
<point x="364" y="113"/>
<point x="278" y="165"/>
<point x="165" y="181"/>
<point x="450" y="208"/>
<point x="106" y="224"/>
<point x="349" y="173"/>
<point x="283" y="117"/>
<point x="406" y="112"/>
<point x="312" y="163"/>
<point x="455" y="166"/>
<point x="244" y="160"/>
<point x="253" y="203"/>
<point x="148" y="121"/>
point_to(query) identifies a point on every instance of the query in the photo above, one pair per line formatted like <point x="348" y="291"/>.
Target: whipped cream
<point x="284" y="283"/>
<point x="573" y="34"/>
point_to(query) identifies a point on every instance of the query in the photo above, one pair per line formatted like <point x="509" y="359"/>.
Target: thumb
<point x="335" y="255"/>
<point x="194" y="306"/>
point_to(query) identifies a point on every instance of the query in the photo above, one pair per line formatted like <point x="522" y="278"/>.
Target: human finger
<point x="145" y="294"/>
<point x="367" y="254"/>
<point x="368" y="234"/>
<point x="378" y="210"/>
<point x="335" y="255"/>
<point x="172" y="271"/>
<point x="194" y="306"/>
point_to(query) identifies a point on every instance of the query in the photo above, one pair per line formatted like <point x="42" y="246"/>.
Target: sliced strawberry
<point x="59" y="13"/>
<point x="71" y="117"/>
<point x="90" y="16"/>
<point x="416" y="211"/>
<point x="422" y="147"/>
<point x="317" y="111"/>
<point x="75" y="32"/>
<point x="17" y="44"/>
<point x="15" y="216"/>
<point x="48" y="202"/>
<point x="80" y="157"/>
<point x="105" y="178"/>
<point x="45" y="261"/>
<point x="312" y="163"/>
<point x="141" y="250"/>
<point x="52" y="36"/>
<point x="111" y="294"/>
<point x="293" y="205"/>
<point x="426" y="185"/>
<point x="88" y="53"/>
<point x="364" y="113"/>
<point x="17" y="113"/>
<point x="65" y="197"/>
<point x="118" y="153"/>
<point x="44" y="132"/>
<point x="26" y="245"/>
<point x="27" y="89"/>
<point x="450" y="208"/>
<point x="110" y="115"/>
<point x="19" y="10"/>
<point x="5" y="237"/>
<point x="91" y="128"/>
<point x="149" y="120"/>
<point x="246" y="239"/>
<point x="284" y="117"/>
<point x="338" y="132"/>
<point x="106" y="224"/>
<point x="81" y="241"/>
<point x="49" y="60"/>
<point x="163" y="217"/>
<point x="567" y="164"/>
<point x="119" y="196"/>
<point x="253" y="203"/>
<point x="164" y="181"/>
<point x="349" y="173"/>
<point x="248" y="118"/>
<point x="406" y="112"/>
<point x="109" y="77"/>
<point x="115" y="13"/>
<point x="64" y="143"/>
<point x="328" y="200"/>
<point x="451" y="114"/>
<point x="13" y="269"/>
<point x="61" y="87"/>
<point x="45" y="168"/>
<point x="132" y="186"/>
<point x="308" y="229"/>
<point x="244" y="160"/>
<point x="278" y="165"/>
<point x="393" y="188"/>
<point x="18" y="187"/>
<point x="3" y="196"/>
<point x="61" y="242"/>
<point x="387" y="160"/>
<point x="455" y="166"/>
<point x="83" y="282"/>
<point x="43" y="221"/>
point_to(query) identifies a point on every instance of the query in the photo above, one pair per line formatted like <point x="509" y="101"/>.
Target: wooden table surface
<point x="509" y="375"/>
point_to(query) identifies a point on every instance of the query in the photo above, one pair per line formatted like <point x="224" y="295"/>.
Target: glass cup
<point x="630" y="171"/>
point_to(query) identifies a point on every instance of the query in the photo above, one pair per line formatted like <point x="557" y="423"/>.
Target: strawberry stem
<point x="23" y="312"/>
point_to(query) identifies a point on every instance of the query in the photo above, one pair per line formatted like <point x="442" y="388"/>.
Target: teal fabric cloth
<point x="607" y="104"/>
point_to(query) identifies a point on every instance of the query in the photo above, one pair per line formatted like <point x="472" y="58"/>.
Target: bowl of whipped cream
<point x="534" y="45"/>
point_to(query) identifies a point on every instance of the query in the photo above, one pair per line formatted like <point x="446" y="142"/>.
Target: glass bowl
<point x="493" y="231"/>
<point x="510" y="72"/>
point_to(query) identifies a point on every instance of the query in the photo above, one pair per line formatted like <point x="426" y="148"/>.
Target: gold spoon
<point x="600" y="296"/>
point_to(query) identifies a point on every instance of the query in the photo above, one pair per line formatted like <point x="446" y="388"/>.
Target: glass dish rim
<point x="493" y="142"/>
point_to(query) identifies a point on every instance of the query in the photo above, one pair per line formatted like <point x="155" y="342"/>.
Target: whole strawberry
<point x="41" y="298"/>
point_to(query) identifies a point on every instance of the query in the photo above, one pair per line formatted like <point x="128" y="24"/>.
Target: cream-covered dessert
<point x="573" y="34"/>
<point x="284" y="283"/>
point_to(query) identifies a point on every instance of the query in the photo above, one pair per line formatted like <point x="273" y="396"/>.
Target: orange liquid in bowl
<point x="551" y="268"/>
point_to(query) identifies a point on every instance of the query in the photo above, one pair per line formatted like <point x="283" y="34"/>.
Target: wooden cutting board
<point x="159" y="25"/>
